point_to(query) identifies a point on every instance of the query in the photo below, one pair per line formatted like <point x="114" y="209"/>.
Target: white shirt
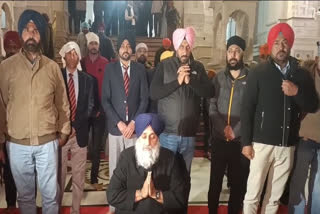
<point x="128" y="18"/>
<point x="285" y="69"/>
<point x="124" y="70"/>
<point x="75" y="81"/>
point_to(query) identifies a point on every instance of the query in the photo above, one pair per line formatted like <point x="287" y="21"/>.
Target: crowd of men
<point x="263" y="123"/>
<point x="151" y="18"/>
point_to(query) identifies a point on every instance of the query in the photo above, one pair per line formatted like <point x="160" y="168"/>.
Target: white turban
<point x="92" y="37"/>
<point x="141" y="45"/>
<point x="66" y="49"/>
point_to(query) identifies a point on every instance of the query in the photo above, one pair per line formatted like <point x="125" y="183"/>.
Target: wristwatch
<point x="157" y="195"/>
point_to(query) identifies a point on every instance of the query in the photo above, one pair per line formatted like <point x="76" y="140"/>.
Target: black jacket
<point x="267" y="115"/>
<point x="179" y="105"/>
<point x="228" y="94"/>
<point x="85" y="106"/>
<point x="114" y="99"/>
<point x="106" y="47"/>
<point x="169" y="175"/>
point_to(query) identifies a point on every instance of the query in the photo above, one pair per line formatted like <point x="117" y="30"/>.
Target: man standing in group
<point x="80" y="87"/>
<point x="307" y="157"/>
<point x="224" y="114"/>
<point x="276" y="94"/>
<point x="166" y="46"/>
<point x="82" y="40"/>
<point x="142" y="57"/>
<point x="124" y="96"/>
<point x="12" y="45"/>
<point x="178" y="85"/>
<point x="35" y="103"/>
<point x="106" y="46"/>
<point x="95" y="64"/>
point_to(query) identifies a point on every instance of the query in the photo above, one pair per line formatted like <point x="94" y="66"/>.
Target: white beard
<point x="145" y="157"/>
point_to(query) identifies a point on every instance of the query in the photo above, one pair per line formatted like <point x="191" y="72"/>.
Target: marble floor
<point x="200" y="174"/>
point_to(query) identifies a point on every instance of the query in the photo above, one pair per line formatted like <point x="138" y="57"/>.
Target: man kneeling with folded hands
<point x="149" y="178"/>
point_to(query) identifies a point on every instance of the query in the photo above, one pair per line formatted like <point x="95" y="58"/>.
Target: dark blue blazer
<point x="114" y="99"/>
<point x="85" y="106"/>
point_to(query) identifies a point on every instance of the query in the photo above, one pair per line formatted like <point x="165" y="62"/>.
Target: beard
<point x="142" y="59"/>
<point x="237" y="66"/>
<point x="281" y="56"/>
<point x="31" y="46"/>
<point x="93" y="51"/>
<point x="146" y="156"/>
<point x="125" y="56"/>
<point x="184" y="59"/>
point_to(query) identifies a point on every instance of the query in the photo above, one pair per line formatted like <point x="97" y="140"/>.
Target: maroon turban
<point x="11" y="36"/>
<point x="285" y="29"/>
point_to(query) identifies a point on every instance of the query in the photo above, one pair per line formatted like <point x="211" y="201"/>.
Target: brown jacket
<point x="33" y="100"/>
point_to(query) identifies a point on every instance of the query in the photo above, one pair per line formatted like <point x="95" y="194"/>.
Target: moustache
<point x="31" y="40"/>
<point x="233" y="59"/>
<point x="281" y="52"/>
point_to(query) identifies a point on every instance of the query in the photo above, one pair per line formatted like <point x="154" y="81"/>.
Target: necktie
<point x="72" y="96"/>
<point x="126" y="81"/>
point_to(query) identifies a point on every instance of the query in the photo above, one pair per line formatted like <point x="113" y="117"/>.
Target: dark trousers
<point x="227" y="154"/>
<point x="10" y="186"/>
<point x="80" y="16"/>
<point x="98" y="127"/>
<point x="131" y="35"/>
<point x="157" y="24"/>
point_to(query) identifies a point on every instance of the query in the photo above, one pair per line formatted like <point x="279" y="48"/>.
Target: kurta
<point x="169" y="175"/>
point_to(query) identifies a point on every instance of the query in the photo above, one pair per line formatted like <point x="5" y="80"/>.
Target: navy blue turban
<point x="148" y="119"/>
<point x="121" y="38"/>
<point x="37" y="18"/>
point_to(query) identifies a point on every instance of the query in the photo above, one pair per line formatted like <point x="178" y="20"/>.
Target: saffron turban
<point x="166" y="55"/>
<point x="264" y="50"/>
<point x="92" y="37"/>
<point x="183" y="33"/>
<point x="142" y="121"/>
<point x="11" y="36"/>
<point x="141" y="45"/>
<point x="166" y="42"/>
<point x="36" y="18"/>
<point x="66" y="49"/>
<point x="283" y="28"/>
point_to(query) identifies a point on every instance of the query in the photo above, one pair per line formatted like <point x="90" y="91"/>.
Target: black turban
<point x="236" y="40"/>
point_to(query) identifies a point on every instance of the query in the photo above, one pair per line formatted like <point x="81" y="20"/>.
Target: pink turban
<point x="285" y="29"/>
<point x="183" y="33"/>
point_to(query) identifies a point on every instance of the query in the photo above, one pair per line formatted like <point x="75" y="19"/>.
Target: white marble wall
<point x="301" y="15"/>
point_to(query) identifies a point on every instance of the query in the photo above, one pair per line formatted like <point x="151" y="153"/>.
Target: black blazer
<point x="85" y="106"/>
<point x="114" y="98"/>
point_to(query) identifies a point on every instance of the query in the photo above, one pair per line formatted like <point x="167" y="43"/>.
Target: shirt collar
<point x="124" y="65"/>
<point x="75" y="74"/>
<point x="285" y="69"/>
